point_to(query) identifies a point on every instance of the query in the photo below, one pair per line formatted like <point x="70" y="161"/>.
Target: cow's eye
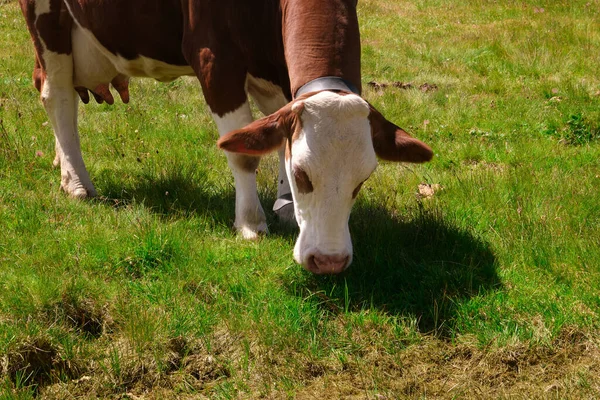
<point x="302" y="181"/>
<point x="355" y="192"/>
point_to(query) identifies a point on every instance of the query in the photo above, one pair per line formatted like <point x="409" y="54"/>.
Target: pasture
<point x="489" y="288"/>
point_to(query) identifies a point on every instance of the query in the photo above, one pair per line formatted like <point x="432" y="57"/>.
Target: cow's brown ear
<point x="392" y="143"/>
<point x="261" y="136"/>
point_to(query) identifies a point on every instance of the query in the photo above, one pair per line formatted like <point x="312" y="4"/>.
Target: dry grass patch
<point x="570" y="367"/>
<point x="178" y="367"/>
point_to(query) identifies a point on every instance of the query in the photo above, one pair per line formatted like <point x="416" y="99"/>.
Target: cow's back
<point x="133" y="28"/>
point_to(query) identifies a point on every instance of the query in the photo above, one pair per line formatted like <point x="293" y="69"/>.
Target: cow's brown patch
<point x="28" y="10"/>
<point x="303" y="182"/>
<point x="221" y="75"/>
<point x="39" y="75"/>
<point x="54" y="28"/>
<point x="321" y="39"/>
<point x="123" y="28"/>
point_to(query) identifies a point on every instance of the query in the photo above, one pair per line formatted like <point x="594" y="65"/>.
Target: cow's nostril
<point x="330" y="264"/>
<point x="312" y="265"/>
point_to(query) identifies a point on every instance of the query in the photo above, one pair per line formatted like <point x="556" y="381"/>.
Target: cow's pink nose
<point x="321" y="264"/>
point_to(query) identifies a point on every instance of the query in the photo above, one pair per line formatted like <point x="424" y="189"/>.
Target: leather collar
<point x="327" y="83"/>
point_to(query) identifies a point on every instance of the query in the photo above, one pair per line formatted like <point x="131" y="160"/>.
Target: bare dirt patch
<point x="486" y="166"/>
<point x="425" y="87"/>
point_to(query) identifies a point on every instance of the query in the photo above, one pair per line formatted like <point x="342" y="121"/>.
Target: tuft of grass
<point x="7" y="148"/>
<point x="576" y="130"/>
<point x="150" y="258"/>
<point x="580" y="130"/>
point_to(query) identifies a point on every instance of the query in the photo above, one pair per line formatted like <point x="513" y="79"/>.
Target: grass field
<point x="488" y="289"/>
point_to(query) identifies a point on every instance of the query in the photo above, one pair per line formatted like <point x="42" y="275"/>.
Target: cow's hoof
<point x="79" y="192"/>
<point x="285" y="214"/>
<point x="249" y="233"/>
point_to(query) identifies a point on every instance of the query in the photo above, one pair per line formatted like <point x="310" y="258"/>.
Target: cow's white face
<point x="331" y="156"/>
<point x="332" y="143"/>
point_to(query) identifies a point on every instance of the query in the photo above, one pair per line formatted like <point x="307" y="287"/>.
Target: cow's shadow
<point x="178" y="192"/>
<point x="419" y="266"/>
<point x="175" y="192"/>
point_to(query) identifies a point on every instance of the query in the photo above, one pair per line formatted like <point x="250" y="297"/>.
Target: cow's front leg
<point x="269" y="98"/>
<point x="222" y="74"/>
<point x="250" y="218"/>
<point x="50" y="28"/>
<point x="60" y="101"/>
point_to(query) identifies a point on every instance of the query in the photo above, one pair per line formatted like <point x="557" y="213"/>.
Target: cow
<point x="298" y="59"/>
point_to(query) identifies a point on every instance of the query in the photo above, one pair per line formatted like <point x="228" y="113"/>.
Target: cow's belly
<point x="147" y="67"/>
<point x="95" y="65"/>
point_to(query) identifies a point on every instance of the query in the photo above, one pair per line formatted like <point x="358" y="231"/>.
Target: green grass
<point x="487" y="289"/>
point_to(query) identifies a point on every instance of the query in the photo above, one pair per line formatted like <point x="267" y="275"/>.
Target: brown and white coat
<point x="327" y="138"/>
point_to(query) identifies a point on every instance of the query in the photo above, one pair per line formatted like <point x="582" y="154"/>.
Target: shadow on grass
<point x="420" y="268"/>
<point x="175" y="192"/>
<point x="180" y="193"/>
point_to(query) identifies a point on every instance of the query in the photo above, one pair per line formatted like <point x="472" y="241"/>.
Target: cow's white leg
<point x="250" y="218"/>
<point x="58" y="156"/>
<point x="60" y="101"/>
<point x="269" y="98"/>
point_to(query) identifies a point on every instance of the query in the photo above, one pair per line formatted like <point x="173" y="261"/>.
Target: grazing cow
<point x="298" y="59"/>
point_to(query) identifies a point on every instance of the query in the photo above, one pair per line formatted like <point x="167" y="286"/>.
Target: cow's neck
<point x="321" y="39"/>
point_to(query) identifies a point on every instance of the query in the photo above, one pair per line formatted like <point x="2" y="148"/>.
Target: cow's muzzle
<point x="327" y="264"/>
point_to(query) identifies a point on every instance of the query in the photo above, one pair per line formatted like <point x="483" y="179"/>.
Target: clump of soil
<point x="206" y="368"/>
<point x="425" y="87"/>
<point x="37" y="362"/>
<point x="428" y="87"/>
<point x="178" y="349"/>
<point x="427" y="190"/>
<point x="85" y="315"/>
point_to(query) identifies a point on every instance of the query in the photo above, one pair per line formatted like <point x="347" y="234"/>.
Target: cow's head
<point x="332" y="143"/>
